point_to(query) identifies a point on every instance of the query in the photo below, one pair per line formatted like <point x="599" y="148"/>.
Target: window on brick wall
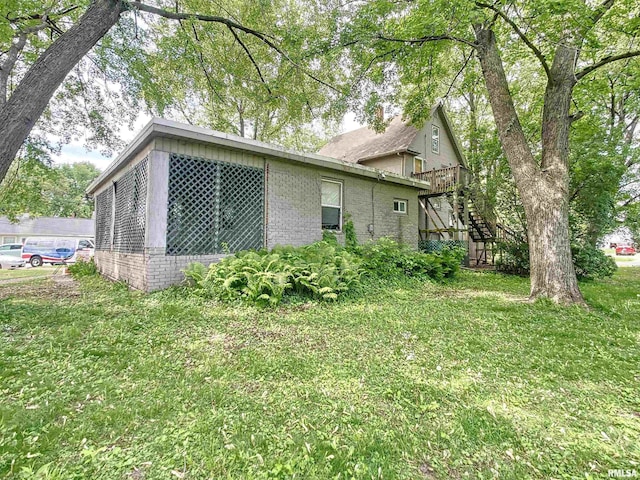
<point x="331" y="205"/>
<point x="400" y="206"/>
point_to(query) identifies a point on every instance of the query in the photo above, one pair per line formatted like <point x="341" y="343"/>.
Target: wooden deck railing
<point x="444" y="180"/>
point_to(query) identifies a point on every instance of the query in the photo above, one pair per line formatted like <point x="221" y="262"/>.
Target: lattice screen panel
<point x="131" y="206"/>
<point x="241" y="207"/>
<point x="213" y="206"/>
<point x="104" y="214"/>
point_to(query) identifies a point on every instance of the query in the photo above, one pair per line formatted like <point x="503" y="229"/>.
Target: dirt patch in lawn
<point x="472" y="294"/>
<point x="54" y="287"/>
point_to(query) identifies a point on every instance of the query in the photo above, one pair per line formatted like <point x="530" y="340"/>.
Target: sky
<point x="75" y="152"/>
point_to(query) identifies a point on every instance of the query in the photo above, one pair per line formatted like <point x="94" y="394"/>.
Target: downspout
<point x="372" y="225"/>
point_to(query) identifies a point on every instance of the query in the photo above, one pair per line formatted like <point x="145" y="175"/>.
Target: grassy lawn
<point x="465" y="380"/>
<point x="619" y="258"/>
<point x="6" y="273"/>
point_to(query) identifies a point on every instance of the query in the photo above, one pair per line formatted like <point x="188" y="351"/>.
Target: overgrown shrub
<point x="83" y="268"/>
<point x="589" y="262"/>
<point x="350" y="237"/>
<point x="386" y="258"/>
<point x="329" y="237"/>
<point x="320" y="271"/>
<point x="512" y="258"/>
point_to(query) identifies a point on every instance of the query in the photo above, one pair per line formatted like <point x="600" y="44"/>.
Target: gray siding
<point x="422" y="143"/>
<point x="390" y="163"/>
<point x="404" y="164"/>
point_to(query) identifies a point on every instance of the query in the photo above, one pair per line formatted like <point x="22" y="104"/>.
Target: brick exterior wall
<point x="293" y="216"/>
<point x="166" y="270"/>
<point x="129" y="267"/>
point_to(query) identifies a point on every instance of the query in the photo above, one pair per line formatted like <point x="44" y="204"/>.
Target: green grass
<point x="6" y="273"/>
<point x="619" y="258"/>
<point x="465" y="380"/>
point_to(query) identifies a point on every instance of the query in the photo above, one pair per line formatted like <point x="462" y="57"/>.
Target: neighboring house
<point x="44" y="227"/>
<point x="432" y="153"/>
<point x="180" y="194"/>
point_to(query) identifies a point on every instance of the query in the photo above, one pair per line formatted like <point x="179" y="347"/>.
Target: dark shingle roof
<point x="365" y="143"/>
<point x="48" y="226"/>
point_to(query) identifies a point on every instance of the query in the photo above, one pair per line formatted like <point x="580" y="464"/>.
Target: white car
<point x="11" y="255"/>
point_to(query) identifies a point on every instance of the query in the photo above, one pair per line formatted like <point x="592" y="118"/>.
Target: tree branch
<point x="426" y="39"/>
<point x="265" y="38"/>
<point x="244" y="47"/>
<point x="464" y="66"/>
<point x="12" y="57"/>
<point x="604" y="7"/>
<point x="39" y="16"/>
<point x="605" y="61"/>
<point x="536" y="51"/>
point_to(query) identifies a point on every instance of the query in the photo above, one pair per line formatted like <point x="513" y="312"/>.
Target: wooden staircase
<point x="482" y="228"/>
<point x="485" y="230"/>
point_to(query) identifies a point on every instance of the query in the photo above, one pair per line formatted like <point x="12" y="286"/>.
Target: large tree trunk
<point x="23" y="108"/>
<point x="552" y="271"/>
<point x="543" y="189"/>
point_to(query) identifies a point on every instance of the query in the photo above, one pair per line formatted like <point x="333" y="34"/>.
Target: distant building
<point x="45" y="227"/>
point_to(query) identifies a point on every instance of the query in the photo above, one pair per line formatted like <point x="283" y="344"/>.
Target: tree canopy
<point x="43" y="190"/>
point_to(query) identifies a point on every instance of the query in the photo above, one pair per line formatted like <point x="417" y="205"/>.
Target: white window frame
<point x="400" y="201"/>
<point x="413" y="167"/>
<point x="340" y="183"/>
<point x="435" y="135"/>
<point x="423" y="164"/>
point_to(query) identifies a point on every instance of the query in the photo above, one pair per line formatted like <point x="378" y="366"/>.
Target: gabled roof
<point x="48" y="226"/>
<point x="365" y="143"/>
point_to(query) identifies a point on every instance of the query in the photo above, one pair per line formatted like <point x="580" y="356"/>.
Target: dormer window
<point x="435" y="139"/>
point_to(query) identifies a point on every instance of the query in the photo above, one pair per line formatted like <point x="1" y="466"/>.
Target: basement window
<point x="331" y="205"/>
<point x="400" y="206"/>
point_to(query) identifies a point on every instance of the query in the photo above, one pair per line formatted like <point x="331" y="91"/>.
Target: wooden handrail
<point x="443" y="180"/>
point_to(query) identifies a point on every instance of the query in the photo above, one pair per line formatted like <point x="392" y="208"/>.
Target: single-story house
<point x="180" y="194"/>
<point x="44" y="227"/>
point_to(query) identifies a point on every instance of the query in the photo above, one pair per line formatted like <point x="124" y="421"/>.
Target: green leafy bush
<point x="329" y="237"/>
<point x="83" y="268"/>
<point x="320" y="271"/>
<point x="386" y="258"/>
<point x="512" y="258"/>
<point x="350" y="237"/>
<point x="589" y="262"/>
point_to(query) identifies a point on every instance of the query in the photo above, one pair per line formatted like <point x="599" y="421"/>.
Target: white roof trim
<point x="160" y="127"/>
